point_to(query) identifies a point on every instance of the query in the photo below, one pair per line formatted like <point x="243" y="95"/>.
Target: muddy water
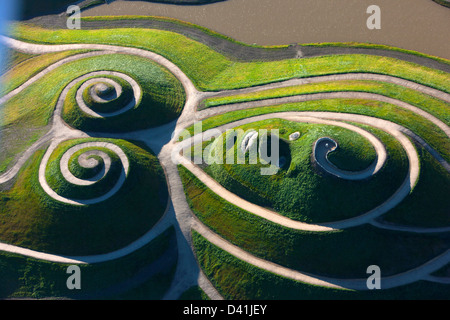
<point x="420" y="25"/>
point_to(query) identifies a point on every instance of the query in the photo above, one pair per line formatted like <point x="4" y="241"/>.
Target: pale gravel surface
<point x="65" y="171"/>
<point x="137" y="93"/>
<point x="206" y="113"/>
<point x="420" y="273"/>
<point x="318" y="117"/>
<point x="320" y="154"/>
<point x="178" y="212"/>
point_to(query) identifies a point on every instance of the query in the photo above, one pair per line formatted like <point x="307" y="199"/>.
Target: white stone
<point x="294" y="136"/>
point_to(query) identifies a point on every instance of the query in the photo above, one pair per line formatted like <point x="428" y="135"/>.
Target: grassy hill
<point x="30" y="218"/>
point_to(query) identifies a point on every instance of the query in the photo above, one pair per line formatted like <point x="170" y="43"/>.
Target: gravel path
<point x="323" y="147"/>
<point x="420" y="273"/>
<point x="178" y="212"/>
<point x="71" y="179"/>
<point x="137" y="92"/>
<point x="317" y="117"/>
<point x="207" y="113"/>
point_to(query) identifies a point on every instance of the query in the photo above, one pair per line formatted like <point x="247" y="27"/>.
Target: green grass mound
<point x="87" y="173"/>
<point x="301" y="190"/>
<point x="106" y="91"/>
<point x="211" y="70"/>
<point x="236" y="279"/>
<point x="32" y="219"/>
<point x="335" y="253"/>
<point x="151" y="269"/>
<point x="66" y="189"/>
<point x="194" y="293"/>
<point x="427" y="206"/>
<point x="162" y="98"/>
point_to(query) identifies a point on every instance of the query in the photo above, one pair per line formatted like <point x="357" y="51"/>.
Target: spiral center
<point x="86" y="160"/>
<point x="102" y="97"/>
<point x="103" y="90"/>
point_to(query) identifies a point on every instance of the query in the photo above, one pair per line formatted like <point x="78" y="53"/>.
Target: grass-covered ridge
<point x="21" y="123"/>
<point x="12" y="58"/>
<point x="434" y="106"/>
<point x="162" y="98"/>
<point x="113" y="102"/>
<point x="64" y="188"/>
<point x="444" y="3"/>
<point x="335" y="254"/>
<point x="433" y="135"/>
<point x="22" y="67"/>
<point x="108" y="20"/>
<point x="211" y="70"/>
<point x="162" y="101"/>
<point x="427" y="206"/>
<point x="302" y="192"/>
<point x="30" y="218"/>
<point x="190" y="25"/>
<point x="154" y="264"/>
<point x="238" y="280"/>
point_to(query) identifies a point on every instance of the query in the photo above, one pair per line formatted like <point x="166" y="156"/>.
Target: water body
<point x="420" y="25"/>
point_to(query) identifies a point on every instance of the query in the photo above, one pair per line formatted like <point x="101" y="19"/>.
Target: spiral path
<point x="325" y="145"/>
<point x="137" y="92"/>
<point x="72" y="179"/>
<point x="319" y="117"/>
<point x="178" y="212"/>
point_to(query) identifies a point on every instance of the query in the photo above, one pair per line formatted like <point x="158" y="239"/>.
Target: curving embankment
<point x="207" y="113"/>
<point x="236" y="50"/>
<point x="73" y="180"/>
<point x="179" y="214"/>
<point x="323" y="146"/>
<point x="420" y="273"/>
<point x="98" y="78"/>
<point x="316" y="117"/>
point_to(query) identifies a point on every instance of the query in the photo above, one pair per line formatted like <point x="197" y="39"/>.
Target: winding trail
<point x="71" y="179"/>
<point x="232" y="49"/>
<point x="206" y="113"/>
<point x="137" y="93"/>
<point x="321" y="150"/>
<point x="419" y="273"/>
<point x="323" y="146"/>
<point x="315" y="117"/>
<point x="178" y="212"/>
<point x="339" y="77"/>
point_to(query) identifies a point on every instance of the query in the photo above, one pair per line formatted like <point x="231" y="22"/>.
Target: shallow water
<point x="420" y="25"/>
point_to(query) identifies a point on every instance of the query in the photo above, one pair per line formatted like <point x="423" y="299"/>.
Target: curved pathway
<point x="339" y="77"/>
<point x="136" y="98"/>
<point x="323" y="146"/>
<point x="235" y="50"/>
<point x="206" y="113"/>
<point x="178" y="212"/>
<point x="315" y="117"/>
<point x="71" y="179"/>
<point x="419" y="273"/>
